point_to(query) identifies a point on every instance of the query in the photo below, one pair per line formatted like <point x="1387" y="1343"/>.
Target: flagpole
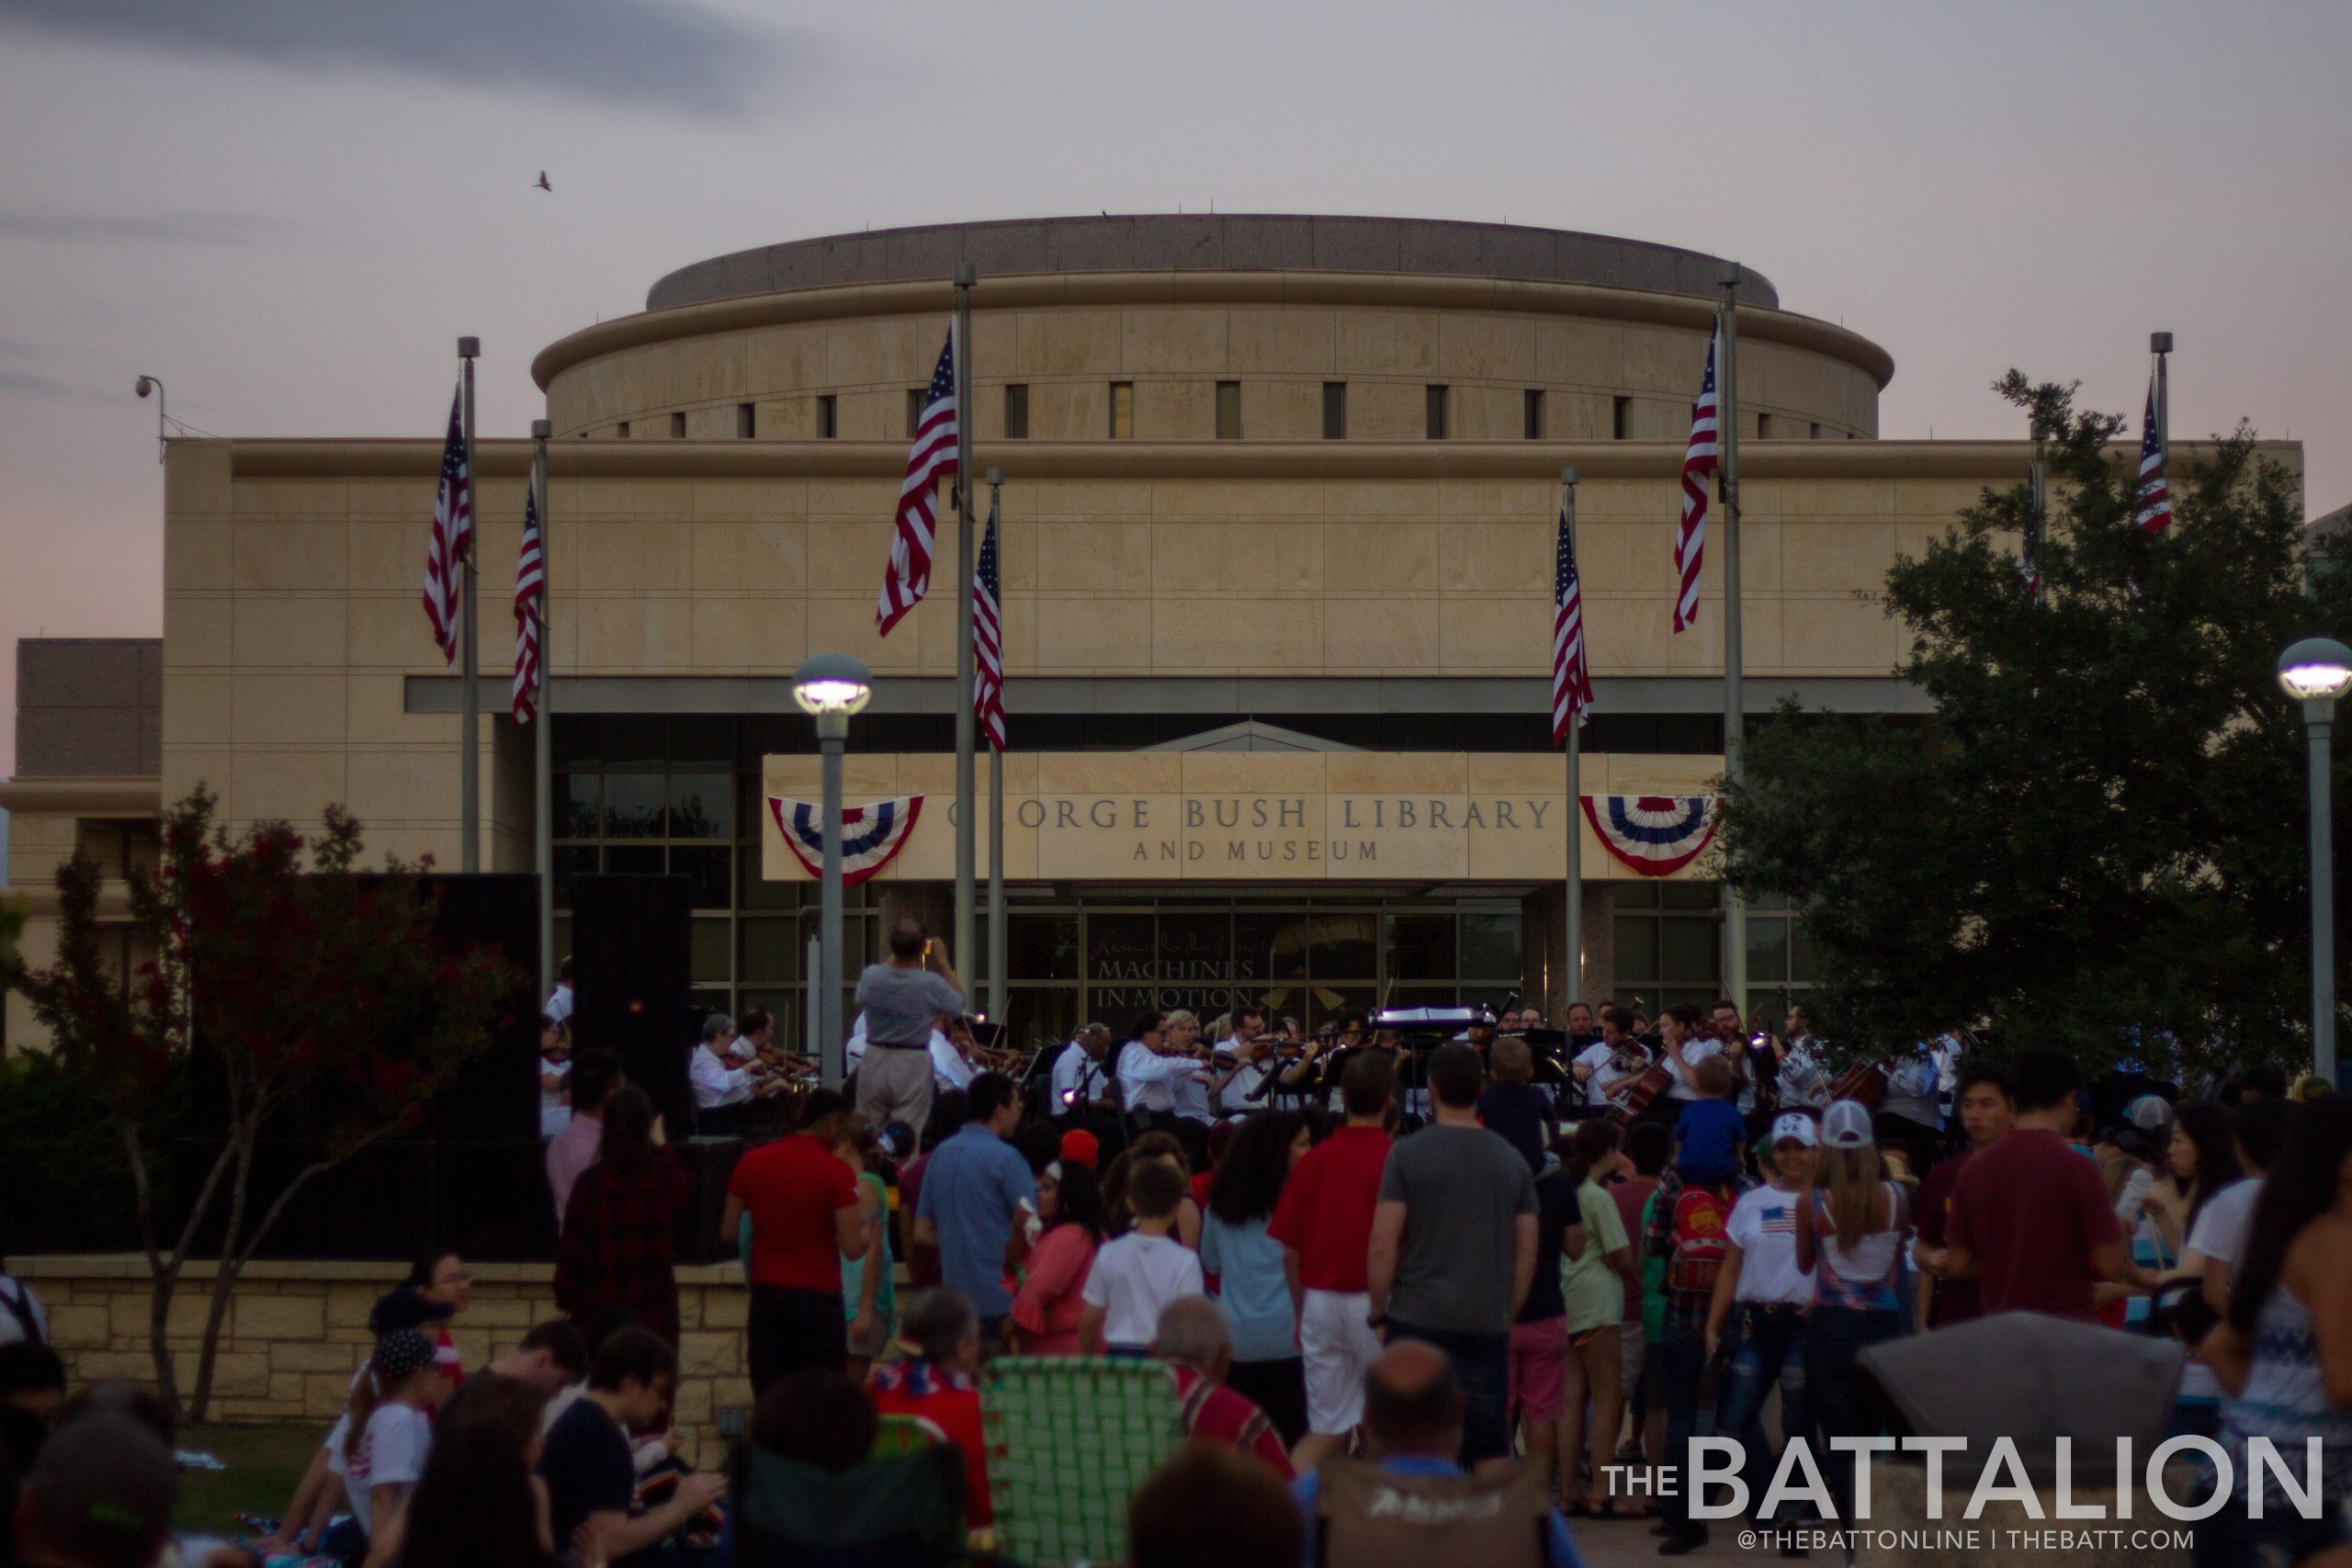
<point x="1572" y="926"/>
<point x="470" y="756"/>
<point x="997" y="917"/>
<point x="2160" y="344"/>
<point x="965" y="274"/>
<point x="1734" y="712"/>
<point x="543" y="757"/>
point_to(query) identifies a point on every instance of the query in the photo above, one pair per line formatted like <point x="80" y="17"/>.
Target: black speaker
<point x="497" y="1094"/>
<point x="629" y="942"/>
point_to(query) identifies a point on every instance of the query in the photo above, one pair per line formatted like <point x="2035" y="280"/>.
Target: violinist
<point x="1195" y="1097"/>
<point x="1615" y="1060"/>
<point x="1688" y="1042"/>
<point x="1319" y="1067"/>
<point x="1248" y="1057"/>
<point x="952" y="1056"/>
<point x="1149" y="1071"/>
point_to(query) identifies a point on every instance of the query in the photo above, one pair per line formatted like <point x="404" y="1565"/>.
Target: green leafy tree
<point x="2097" y="843"/>
<point x="290" y="975"/>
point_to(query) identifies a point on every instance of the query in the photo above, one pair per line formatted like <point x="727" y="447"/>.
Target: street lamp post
<point x="145" y="385"/>
<point x="830" y="687"/>
<point x="2316" y="672"/>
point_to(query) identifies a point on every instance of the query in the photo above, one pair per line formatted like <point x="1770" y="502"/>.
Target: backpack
<point x="1500" y="1515"/>
<point x="1700" y="1220"/>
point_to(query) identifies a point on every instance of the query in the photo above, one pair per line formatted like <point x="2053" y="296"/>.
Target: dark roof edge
<point x="1207" y="241"/>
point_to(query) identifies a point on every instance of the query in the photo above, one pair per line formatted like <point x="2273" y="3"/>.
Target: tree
<point x="2097" y="842"/>
<point x="321" y="986"/>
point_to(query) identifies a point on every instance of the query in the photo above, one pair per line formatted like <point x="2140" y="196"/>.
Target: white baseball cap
<point x="1794" y="1125"/>
<point x="1847" y="1125"/>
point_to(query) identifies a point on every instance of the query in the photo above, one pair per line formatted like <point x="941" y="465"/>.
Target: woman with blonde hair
<point x="1849" y="1238"/>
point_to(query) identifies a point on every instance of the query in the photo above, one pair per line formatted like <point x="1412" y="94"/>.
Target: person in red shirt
<point x="2030" y="1219"/>
<point x="1988" y="1103"/>
<point x="939" y="1386"/>
<point x="1324" y="1223"/>
<point x="1196" y="1342"/>
<point x="806" y="1217"/>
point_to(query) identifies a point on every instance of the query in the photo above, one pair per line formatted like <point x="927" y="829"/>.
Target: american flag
<point x="453" y="535"/>
<point x="2152" y="506"/>
<point x="1571" y="682"/>
<point x="988" y="640"/>
<point x="1699" y="459"/>
<point x="530" y="610"/>
<point x="934" y="454"/>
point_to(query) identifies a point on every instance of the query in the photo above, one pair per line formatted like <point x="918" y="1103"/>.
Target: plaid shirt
<point x="1685" y="1310"/>
<point x="620" y="1235"/>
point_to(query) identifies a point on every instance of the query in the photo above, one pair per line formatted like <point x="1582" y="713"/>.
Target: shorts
<point x="1337" y="1343"/>
<point x="1539" y="1358"/>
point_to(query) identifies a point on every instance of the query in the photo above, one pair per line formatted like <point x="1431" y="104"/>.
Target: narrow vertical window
<point x="1433" y="402"/>
<point x="1530" y="417"/>
<point x="914" y="411"/>
<point x="1815" y="432"/>
<point x="1228" y="411"/>
<point x="621" y="430"/>
<point x="677" y="427"/>
<point x="1123" y="411"/>
<point x="827" y="417"/>
<point x="747" y="421"/>
<point x="1017" y="411"/>
<point x="1335" y="410"/>
<point x="1619" y="411"/>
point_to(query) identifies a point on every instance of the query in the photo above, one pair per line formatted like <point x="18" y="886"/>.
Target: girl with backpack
<point x="1685" y="1232"/>
<point x="1849" y="1238"/>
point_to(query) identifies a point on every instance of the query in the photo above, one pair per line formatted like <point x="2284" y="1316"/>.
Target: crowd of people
<point x="1522" y="1267"/>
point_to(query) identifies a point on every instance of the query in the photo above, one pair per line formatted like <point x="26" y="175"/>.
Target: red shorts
<point x="1539" y="1359"/>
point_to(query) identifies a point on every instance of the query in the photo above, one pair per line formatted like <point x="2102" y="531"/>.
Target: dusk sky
<point x="288" y="210"/>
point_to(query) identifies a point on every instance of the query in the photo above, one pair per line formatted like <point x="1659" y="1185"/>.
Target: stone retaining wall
<point x="297" y="1331"/>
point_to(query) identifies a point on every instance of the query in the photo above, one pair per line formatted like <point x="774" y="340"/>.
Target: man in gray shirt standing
<point x="903" y="999"/>
<point x="1454" y="1245"/>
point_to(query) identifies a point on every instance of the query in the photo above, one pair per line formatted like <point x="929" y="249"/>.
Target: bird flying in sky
<point x="542" y="183"/>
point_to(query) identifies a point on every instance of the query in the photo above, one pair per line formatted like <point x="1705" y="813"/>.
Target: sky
<point x="288" y="210"/>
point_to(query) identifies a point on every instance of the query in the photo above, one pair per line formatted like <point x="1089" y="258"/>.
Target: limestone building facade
<point x="1277" y="528"/>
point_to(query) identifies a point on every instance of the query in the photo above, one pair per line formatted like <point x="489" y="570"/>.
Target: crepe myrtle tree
<point x="292" y="975"/>
<point x="2094" y="843"/>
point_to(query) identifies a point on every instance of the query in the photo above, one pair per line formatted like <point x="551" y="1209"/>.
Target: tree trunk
<point x="243" y="1136"/>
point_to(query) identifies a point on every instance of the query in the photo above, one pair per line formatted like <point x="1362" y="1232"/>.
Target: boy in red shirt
<point x="1324" y="1223"/>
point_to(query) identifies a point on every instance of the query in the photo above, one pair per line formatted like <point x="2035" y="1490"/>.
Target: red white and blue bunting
<point x="871" y="834"/>
<point x="1654" y="835"/>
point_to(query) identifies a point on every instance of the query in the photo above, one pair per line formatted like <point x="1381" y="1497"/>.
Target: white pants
<point x="1335" y="1338"/>
<point x="894" y="1084"/>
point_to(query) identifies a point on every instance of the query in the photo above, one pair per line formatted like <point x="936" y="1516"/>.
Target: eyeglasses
<point x="459" y="1277"/>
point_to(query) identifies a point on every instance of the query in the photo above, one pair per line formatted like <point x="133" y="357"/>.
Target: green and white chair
<point x="1070" y="1439"/>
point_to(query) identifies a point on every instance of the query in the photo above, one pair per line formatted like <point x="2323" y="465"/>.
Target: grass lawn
<point x="265" y="1463"/>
